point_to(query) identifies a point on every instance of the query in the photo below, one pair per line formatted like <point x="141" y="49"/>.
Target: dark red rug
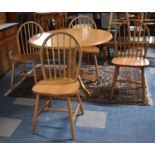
<point x="124" y="93"/>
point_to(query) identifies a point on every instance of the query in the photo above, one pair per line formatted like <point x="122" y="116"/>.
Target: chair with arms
<point x="81" y="22"/>
<point x="61" y="58"/>
<point x="131" y="48"/>
<point x="26" y="53"/>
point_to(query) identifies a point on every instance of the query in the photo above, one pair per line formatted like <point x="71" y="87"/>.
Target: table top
<point x="86" y="37"/>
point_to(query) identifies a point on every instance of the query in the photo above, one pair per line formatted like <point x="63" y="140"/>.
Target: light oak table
<point x="86" y="38"/>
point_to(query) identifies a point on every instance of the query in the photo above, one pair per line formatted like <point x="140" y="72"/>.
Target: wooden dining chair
<point x="51" y="20"/>
<point x="26" y="53"/>
<point x="61" y="58"/>
<point x="114" y="20"/>
<point x="81" y="22"/>
<point x="131" y="48"/>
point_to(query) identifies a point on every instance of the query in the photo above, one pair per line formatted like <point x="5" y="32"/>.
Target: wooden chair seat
<point x="92" y="50"/>
<point x="131" y="62"/>
<point x="57" y="87"/>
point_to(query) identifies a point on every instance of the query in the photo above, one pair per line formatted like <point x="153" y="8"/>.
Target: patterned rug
<point x="125" y="93"/>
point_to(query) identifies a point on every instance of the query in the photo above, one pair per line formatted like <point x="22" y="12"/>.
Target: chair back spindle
<point x="82" y="22"/>
<point x="52" y="20"/>
<point x="25" y="31"/>
<point x="131" y="43"/>
<point x="60" y="56"/>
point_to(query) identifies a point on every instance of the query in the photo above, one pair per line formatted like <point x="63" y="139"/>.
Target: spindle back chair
<point x="82" y="22"/>
<point x="60" y="60"/>
<point x="26" y="52"/>
<point x="131" y="48"/>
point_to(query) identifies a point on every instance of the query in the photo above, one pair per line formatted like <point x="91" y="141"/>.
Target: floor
<point x="101" y="123"/>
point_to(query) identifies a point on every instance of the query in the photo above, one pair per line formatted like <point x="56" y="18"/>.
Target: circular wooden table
<point x="86" y="38"/>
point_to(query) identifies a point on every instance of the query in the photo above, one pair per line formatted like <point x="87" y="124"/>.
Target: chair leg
<point x="24" y="69"/>
<point x="34" y="71"/>
<point x="49" y="102"/>
<point x="70" y="115"/>
<point x="143" y="85"/>
<point x="104" y="52"/>
<point x="12" y="73"/>
<point x="81" y="104"/>
<point x="114" y="80"/>
<point x="36" y="109"/>
<point x="87" y="58"/>
<point x="108" y="51"/>
<point x="96" y="65"/>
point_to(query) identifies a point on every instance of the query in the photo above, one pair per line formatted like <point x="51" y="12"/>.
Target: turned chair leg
<point x="36" y="110"/>
<point x="81" y="104"/>
<point x="70" y="115"/>
<point x="87" y="58"/>
<point x="96" y="65"/>
<point x="24" y="69"/>
<point x="116" y="72"/>
<point x="12" y="74"/>
<point x="143" y="85"/>
<point x="34" y="71"/>
<point x="104" y="52"/>
<point x="49" y="102"/>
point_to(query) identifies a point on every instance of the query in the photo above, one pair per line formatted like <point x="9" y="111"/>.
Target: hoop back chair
<point x="116" y="19"/>
<point x="124" y="16"/>
<point x="52" y="20"/>
<point x="26" y="52"/>
<point x="81" y="22"/>
<point x="131" y="48"/>
<point x="61" y="58"/>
